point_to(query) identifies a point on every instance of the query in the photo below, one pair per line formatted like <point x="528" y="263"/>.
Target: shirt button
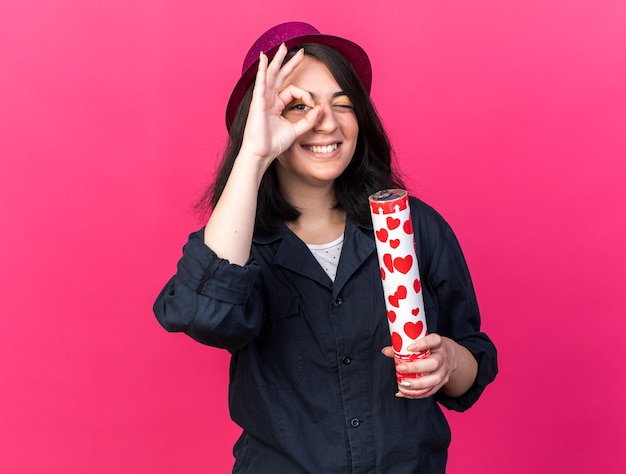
<point x="338" y="302"/>
<point x="355" y="422"/>
<point x="347" y="360"/>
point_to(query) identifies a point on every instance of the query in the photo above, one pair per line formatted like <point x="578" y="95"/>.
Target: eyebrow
<point x="334" y="96"/>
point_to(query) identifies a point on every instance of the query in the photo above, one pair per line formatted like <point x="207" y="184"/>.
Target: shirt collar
<point x="358" y="245"/>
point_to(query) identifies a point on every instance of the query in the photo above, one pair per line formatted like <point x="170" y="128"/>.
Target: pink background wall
<point x="508" y="116"/>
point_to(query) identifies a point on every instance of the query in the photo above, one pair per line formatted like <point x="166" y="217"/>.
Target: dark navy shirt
<point x="308" y="383"/>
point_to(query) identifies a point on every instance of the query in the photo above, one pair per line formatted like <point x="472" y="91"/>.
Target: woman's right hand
<point x="268" y="134"/>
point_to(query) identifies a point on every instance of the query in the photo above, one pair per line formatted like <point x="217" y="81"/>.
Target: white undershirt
<point x="328" y="255"/>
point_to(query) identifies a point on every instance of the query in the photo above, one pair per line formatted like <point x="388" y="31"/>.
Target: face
<point x="325" y="151"/>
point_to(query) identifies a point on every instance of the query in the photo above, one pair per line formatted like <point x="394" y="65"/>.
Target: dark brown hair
<point x="370" y="169"/>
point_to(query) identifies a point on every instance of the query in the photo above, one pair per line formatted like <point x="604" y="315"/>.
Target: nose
<point x="326" y="121"/>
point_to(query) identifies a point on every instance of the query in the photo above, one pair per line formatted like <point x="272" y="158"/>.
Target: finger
<point x="388" y="351"/>
<point x="261" y="77"/>
<point x="291" y="93"/>
<point x="416" y="393"/>
<point x="421" y="366"/>
<point x="411" y="396"/>
<point x="430" y="341"/>
<point x="416" y="388"/>
<point x="289" y="66"/>
<point x="277" y="61"/>
<point x="426" y="381"/>
<point x="308" y="122"/>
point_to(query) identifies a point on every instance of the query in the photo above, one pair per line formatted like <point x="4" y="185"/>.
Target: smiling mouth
<point x="322" y="148"/>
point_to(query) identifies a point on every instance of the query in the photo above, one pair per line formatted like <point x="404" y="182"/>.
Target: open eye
<point x="300" y="107"/>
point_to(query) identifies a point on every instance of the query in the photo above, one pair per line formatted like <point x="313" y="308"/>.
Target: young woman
<point x="285" y="276"/>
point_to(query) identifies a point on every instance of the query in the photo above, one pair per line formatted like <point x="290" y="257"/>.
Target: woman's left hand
<point x="450" y="367"/>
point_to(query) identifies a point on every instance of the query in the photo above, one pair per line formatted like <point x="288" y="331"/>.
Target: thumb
<point x="308" y="122"/>
<point x="387" y="351"/>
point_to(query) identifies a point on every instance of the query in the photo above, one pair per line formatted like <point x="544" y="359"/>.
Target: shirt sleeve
<point x="211" y="300"/>
<point x="449" y="280"/>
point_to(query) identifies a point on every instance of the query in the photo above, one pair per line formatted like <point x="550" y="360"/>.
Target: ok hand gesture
<point x="268" y="133"/>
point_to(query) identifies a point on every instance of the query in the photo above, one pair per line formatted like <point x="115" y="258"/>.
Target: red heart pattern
<point x="408" y="227"/>
<point x="382" y="235"/>
<point x="388" y="262"/>
<point x="397" y="251"/>
<point x="413" y="330"/>
<point x="403" y="264"/>
<point x="400" y="294"/>
<point x="393" y="223"/>
<point x="396" y="341"/>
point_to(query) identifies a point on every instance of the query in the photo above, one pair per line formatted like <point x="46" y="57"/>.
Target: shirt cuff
<point x="484" y="352"/>
<point x="209" y="275"/>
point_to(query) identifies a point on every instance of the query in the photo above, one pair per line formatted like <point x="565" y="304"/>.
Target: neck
<point x="319" y="227"/>
<point x="320" y="221"/>
<point x="310" y="199"/>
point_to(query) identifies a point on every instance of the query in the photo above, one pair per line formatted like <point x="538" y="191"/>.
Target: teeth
<point x="323" y="149"/>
